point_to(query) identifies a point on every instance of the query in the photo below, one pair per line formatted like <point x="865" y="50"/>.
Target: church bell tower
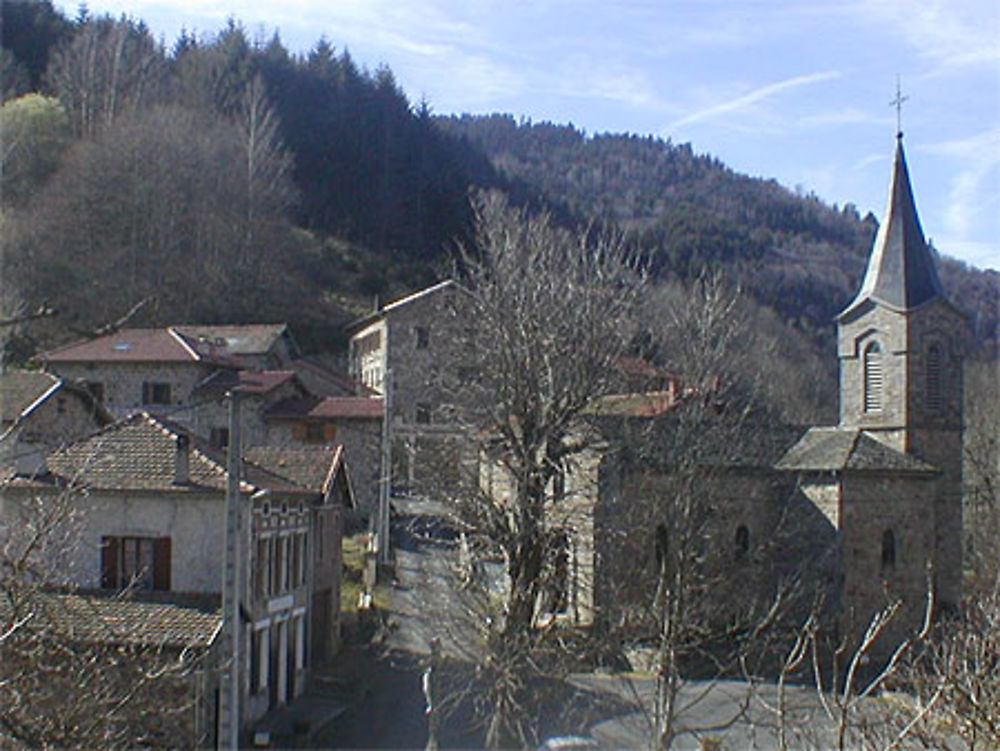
<point x="900" y="347"/>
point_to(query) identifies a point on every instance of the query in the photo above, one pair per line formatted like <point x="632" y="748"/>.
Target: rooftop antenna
<point x="898" y="104"/>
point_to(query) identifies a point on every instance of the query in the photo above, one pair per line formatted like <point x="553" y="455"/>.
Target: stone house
<point x="147" y="502"/>
<point x="156" y="370"/>
<point x="354" y="422"/>
<point x="40" y="412"/>
<point x="420" y="340"/>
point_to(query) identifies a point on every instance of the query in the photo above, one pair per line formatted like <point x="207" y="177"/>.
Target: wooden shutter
<point x="109" y="562"/>
<point x="161" y="563"/>
<point x="299" y="431"/>
<point x="330" y="432"/>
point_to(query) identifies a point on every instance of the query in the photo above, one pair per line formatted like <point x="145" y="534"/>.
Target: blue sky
<point x="797" y="91"/>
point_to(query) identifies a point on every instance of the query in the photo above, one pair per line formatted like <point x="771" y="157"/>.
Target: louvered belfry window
<point x="934" y="378"/>
<point x="873" y="378"/>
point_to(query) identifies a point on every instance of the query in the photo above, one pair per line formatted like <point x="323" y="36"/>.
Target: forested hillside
<point x="791" y="252"/>
<point x="228" y="179"/>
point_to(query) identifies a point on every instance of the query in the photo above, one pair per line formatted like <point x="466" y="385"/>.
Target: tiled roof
<point x="140" y="453"/>
<point x="401" y="302"/>
<point x="244" y="339"/>
<point x="113" y="620"/>
<point x="312" y="468"/>
<point x="127" y="345"/>
<point x="650" y="404"/>
<point x="835" y="449"/>
<point x="20" y="389"/>
<point x="332" y="407"/>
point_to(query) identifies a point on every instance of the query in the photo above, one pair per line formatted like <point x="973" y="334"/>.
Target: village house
<point x="412" y="352"/>
<point x="146" y="499"/>
<point x="40" y="412"/>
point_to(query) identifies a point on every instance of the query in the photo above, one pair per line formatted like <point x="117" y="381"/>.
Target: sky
<point x="796" y="91"/>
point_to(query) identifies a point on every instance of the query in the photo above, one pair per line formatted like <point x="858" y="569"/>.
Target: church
<point x="870" y="508"/>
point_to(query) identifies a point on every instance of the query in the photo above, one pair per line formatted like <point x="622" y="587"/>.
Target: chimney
<point x="182" y="461"/>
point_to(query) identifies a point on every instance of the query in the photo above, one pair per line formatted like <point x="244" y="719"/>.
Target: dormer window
<point x="873" y="377"/>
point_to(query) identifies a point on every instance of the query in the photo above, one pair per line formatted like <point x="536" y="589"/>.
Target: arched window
<point x="873" y="377"/>
<point x="934" y="378"/>
<point x="888" y="549"/>
<point x="742" y="540"/>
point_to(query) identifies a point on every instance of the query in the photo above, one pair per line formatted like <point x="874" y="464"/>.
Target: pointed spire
<point x="901" y="271"/>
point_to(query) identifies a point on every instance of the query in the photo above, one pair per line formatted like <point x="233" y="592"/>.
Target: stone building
<point x="420" y="340"/>
<point x="889" y="475"/>
<point x="866" y="510"/>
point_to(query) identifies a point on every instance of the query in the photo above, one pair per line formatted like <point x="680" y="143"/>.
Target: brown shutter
<point x="109" y="562"/>
<point x="330" y="432"/>
<point x="161" y="563"/>
<point x="299" y="431"/>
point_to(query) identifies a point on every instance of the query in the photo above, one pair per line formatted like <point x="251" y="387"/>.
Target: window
<point x="314" y="432"/>
<point x="934" y="378"/>
<point x="423" y="337"/>
<point x="142" y="562"/>
<point x="888" y="549"/>
<point x="559" y="573"/>
<point x="219" y="437"/>
<point x="260" y="568"/>
<point x="155" y="393"/>
<point x="873" y="377"/>
<point x="742" y="541"/>
<point x="423" y="415"/>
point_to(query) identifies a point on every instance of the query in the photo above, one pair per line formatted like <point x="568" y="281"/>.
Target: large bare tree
<point x="548" y="313"/>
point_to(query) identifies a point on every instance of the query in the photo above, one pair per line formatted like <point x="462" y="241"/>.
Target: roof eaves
<point x="181" y="340"/>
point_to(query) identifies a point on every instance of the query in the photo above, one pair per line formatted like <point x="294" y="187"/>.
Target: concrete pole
<point x="229" y="694"/>
<point x="385" y="482"/>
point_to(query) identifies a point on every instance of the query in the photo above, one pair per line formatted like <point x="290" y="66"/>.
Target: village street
<point x="391" y="710"/>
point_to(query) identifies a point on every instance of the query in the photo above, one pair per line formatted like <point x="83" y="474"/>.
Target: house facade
<point x="420" y="342"/>
<point x="147" y="503"/>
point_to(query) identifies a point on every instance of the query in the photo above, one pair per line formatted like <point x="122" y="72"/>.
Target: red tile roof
<point x="127" y="345"/>
<point x="330" y="408"/>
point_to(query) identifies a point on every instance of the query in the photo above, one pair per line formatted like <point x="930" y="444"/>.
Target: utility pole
<point x="229" y="695"/>
<point x="385" y="481"/>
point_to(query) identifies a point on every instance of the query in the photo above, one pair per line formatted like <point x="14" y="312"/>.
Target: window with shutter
<point x="873" y="377"/>
<point x="934" y="378"/>
<point x="140" y="562"/>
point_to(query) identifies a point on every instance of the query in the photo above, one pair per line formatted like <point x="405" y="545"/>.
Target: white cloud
<point x="747" y="100"/>
<point x="952" y="34"/>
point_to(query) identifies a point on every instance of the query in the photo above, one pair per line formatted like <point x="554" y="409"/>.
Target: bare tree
<point x="549" y="312"/>
<point x="109" y="68"/>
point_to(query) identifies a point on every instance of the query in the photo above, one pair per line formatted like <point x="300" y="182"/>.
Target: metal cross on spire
<point x="898" y="104"/>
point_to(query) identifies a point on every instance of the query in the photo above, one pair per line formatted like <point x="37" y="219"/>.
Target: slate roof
<point x="246" y="381"/>
<point x="329" y="408"/>
<point x="836" y="449"/>
<point x="113" y="620"/>
<point x="243" y="339"/>
<point x="21" y="389"/>
<point x="901" y="272"/>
